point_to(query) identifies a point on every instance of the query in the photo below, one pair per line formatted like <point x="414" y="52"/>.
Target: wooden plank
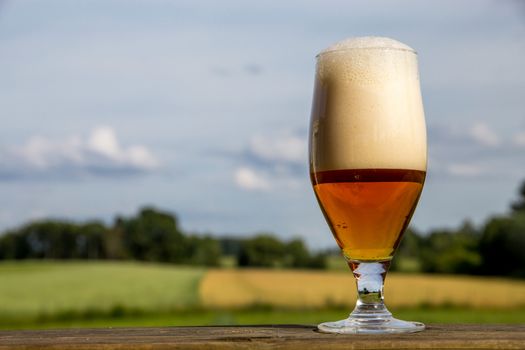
<point x="291" y="337"/>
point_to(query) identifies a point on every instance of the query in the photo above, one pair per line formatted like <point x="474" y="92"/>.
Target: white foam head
<point x="368" y="42"/>
<point x="367" y="110"/>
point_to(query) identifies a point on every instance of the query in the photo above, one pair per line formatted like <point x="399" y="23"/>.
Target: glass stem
<point x="370" y="277"/>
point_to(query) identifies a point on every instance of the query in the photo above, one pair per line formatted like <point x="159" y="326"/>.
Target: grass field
<point x="95" y="294"/>
<point x="39" y="289"/>
<point x="262" y="316"/>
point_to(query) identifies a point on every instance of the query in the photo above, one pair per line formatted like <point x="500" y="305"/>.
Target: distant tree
<point x="203" y="251"/>
<point x="50" y="239"/>
<point x="296" y="254"/>
<point x="53" y="239"/>
<point x="519" y="205"/>
<point x="230" y="245"/>
<point x="502" y="246"/>
<point x="114" y="244"/>
<point x="503" y="241"/>
<point x="450" y="251"/>
<point x="408" y="252"/>
<point x="153" y="236"/>
<point x="90" y="241"/>
<point x="318" y="261"/>
<point x="7" y="246"/>
<point x="264" y="250"/>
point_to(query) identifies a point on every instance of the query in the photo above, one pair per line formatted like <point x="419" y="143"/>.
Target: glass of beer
<point x="368" y="158"/>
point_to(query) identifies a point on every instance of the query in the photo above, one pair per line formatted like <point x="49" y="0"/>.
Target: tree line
<point x="495" y="248"/>
<point x="151" y="235"/>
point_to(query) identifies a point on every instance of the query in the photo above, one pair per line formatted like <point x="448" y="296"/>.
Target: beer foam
<point x="367" y="110"/>
<point x="368" y="42"/>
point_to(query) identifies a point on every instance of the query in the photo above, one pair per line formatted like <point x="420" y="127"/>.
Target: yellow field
<point x="285" y="288"/>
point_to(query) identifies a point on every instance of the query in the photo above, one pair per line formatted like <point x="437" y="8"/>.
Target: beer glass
<point x="368" y="159"/>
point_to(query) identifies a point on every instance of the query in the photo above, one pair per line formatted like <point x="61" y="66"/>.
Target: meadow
<point x="94" y="294"/>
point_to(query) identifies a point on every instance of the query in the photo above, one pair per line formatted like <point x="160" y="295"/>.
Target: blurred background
<point x="153" y="162"/>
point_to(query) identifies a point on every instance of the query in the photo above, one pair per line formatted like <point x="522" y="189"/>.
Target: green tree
<point x="231" y="245"/>
<point x="451" y="251"/>
<point x="407" y="257"/>
<point x="49" y="239"/>
<point x="296" y="254"/>
<point x="204" y="251"/>
<point x="90" y="241"/>
<point x="7" y="246"/>
<point x="113" y="241"/>
<point x="502" y="246"/>
<point x="519" y="205"/>
<point x="153" y="236"/>
<point x="264" y="250"/>
<point x="53" y="239"/>
<point x="318" y="261"/>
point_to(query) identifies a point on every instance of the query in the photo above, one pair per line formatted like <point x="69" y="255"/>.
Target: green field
<point x="256" y="316"/>
<point x="97" y="294"/>
<point x="47" y="290"/>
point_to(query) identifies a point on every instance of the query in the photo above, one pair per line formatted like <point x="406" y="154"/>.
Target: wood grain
<point x="448" y="336"/>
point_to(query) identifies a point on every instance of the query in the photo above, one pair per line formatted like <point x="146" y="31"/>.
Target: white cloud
<point x="280" y="157"/>
<point x="249" y="179"/>
<point x="465" y="170"/>
<point x="474" y="151"/>
<point x="104" y="141"/>
<point x="282" y="148"/>
<point x="141" y="157"/>
<point x="519" y="139"/>
<point x="483" y="134"/>
<point x="98" y="154"/>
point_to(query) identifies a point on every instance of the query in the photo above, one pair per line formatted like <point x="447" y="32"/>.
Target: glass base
<point x="370" y="315"/>
<point x="354" y="325"/>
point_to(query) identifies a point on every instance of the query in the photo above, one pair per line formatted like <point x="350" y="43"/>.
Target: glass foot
<point x="353" y="325"/>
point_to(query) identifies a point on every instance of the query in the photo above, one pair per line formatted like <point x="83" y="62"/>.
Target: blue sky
<point x="202" y="108"/>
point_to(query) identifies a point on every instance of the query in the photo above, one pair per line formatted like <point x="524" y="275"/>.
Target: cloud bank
<point x="473" y="151"/>
<point x="272" y="161"/>
<point x="98" y="154"/>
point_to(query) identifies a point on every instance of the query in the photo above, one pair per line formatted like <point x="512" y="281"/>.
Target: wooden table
<point x="448" y="336"/>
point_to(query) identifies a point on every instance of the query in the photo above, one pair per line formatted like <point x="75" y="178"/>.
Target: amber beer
<point x="368" y="209"/>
